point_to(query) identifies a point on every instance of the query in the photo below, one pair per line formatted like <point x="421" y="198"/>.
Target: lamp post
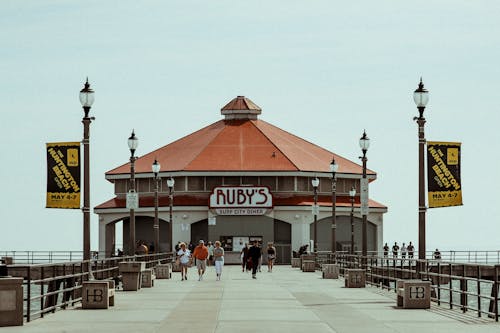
<point x="421" y="97"/>
<point x="352" y="193"/>
<point x="133" y="142"/>
<point x="315" y="183"/>
<point x="334" y="168"/>
<point x="156" y="226"/>
<point x="170" y="184"/>
<point x="86" y="99"/>
<point x="364" y="144"/>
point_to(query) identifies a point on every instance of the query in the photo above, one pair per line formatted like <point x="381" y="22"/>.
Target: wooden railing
<point x="466" y="286"/>
<point x="55" y="286"/>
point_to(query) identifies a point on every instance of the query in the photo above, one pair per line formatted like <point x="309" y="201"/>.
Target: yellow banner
<point x="63" y="175"/>
<point x="443" y="174"/>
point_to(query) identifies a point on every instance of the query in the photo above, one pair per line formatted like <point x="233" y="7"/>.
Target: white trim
<point x="326" y="209"/>
<point x="242" y="173"/>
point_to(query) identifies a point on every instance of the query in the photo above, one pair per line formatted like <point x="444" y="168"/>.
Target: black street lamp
<point x="421" y="98"/>
<point x="170" y="184"/>
<point x="352" y="193"/>
<point x="364" y="144"/>
<point x="315" y="183"/>
<point x="133" y="142"/>
<point x="86" y="99"/>
<point x="156" y="225"/>
<point x="334" y="168"/>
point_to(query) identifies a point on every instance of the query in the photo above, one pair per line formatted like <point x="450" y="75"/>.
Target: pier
<point x="286" y="300"/>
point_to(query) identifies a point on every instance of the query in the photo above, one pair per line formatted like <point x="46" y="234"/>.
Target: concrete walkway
<point x="286" y="300"/>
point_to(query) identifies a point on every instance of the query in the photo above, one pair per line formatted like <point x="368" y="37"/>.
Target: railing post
<point x="478" y="291"/>
<point x="28" y="296"/>
<point x="439" y="283"/>
<point x="495" y="285"/>
<point x="41" y="291"/>
<point x="451" y="286"/>
<point x="463" y="290"/>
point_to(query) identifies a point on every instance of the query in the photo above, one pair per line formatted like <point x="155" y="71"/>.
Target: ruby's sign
<point x="241" y="200"/>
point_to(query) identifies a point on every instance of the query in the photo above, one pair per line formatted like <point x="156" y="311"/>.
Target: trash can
<point x="131" y="272"/>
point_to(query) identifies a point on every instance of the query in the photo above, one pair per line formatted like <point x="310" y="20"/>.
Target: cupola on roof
<point x="241" y="108"/>
<point x="241" y="143"/>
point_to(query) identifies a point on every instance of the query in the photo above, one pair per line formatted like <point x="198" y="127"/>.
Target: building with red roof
<point x="237" y="180"/>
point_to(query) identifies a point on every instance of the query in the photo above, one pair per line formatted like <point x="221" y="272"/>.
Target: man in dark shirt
<point x="254" y="253"/>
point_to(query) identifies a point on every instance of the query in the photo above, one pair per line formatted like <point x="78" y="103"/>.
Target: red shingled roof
<point x="241" y="145"/>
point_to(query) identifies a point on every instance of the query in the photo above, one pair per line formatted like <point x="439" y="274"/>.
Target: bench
<point x="330" y="271"/>
<point x="354" y="278"/>
<point x="148" y="278"/>
<point x="413" y="294"/>
<point x="98" y="294"/>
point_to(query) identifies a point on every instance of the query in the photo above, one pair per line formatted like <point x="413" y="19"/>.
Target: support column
<point x="110" y="241"/>
<point x="300" y="235"/>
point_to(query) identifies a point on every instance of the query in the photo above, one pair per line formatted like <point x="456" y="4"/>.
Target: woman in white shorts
<point x="184" y="257"/>
<point x="218" y="259"/>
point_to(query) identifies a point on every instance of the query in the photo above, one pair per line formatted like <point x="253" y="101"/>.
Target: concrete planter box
<point x="330" y="271"/>
<point x="11" y="301"/>
<point x="296" y="262"/>
<point x="308" y="266"/>
<point x="98" y="294"/>
<point x="413" y="294"/>
<point x="355" y="278"/>
<point x="163" y="271"/>
<point x="148" y="279"/>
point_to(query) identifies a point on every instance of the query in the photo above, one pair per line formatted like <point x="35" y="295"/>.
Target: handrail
<point x="46" y="281"/>
<point x="451" y="281"/>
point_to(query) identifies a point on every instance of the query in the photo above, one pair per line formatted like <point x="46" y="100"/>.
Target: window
<point x="269" y="182"/>
<point x="121" y="186"/>
<point x="325" y="185"/>
<point x="232" y="181"/>
<point x="212" y="182"/>
<point x="196" y="183"/>
<point x="180" y="184"/>
<point x="142" y="185"/>
<point x="303" y="184"/>
<point x="286" y="184"/>
<point x="249" y="180"/>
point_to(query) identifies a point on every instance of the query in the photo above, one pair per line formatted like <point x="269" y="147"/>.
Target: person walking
<point x="210" y="254"/>
<point x="200" y="255"/>
<point x="254" y="253"/>
<point x="260" y="258"/>
<point x="271" y="256"/>
<point x="218" y="260"/>
<point x="244" y="258"/>
<point x="184" y="257"/>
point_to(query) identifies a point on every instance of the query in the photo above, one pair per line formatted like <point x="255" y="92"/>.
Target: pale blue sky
<point x="323" y="70"/>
